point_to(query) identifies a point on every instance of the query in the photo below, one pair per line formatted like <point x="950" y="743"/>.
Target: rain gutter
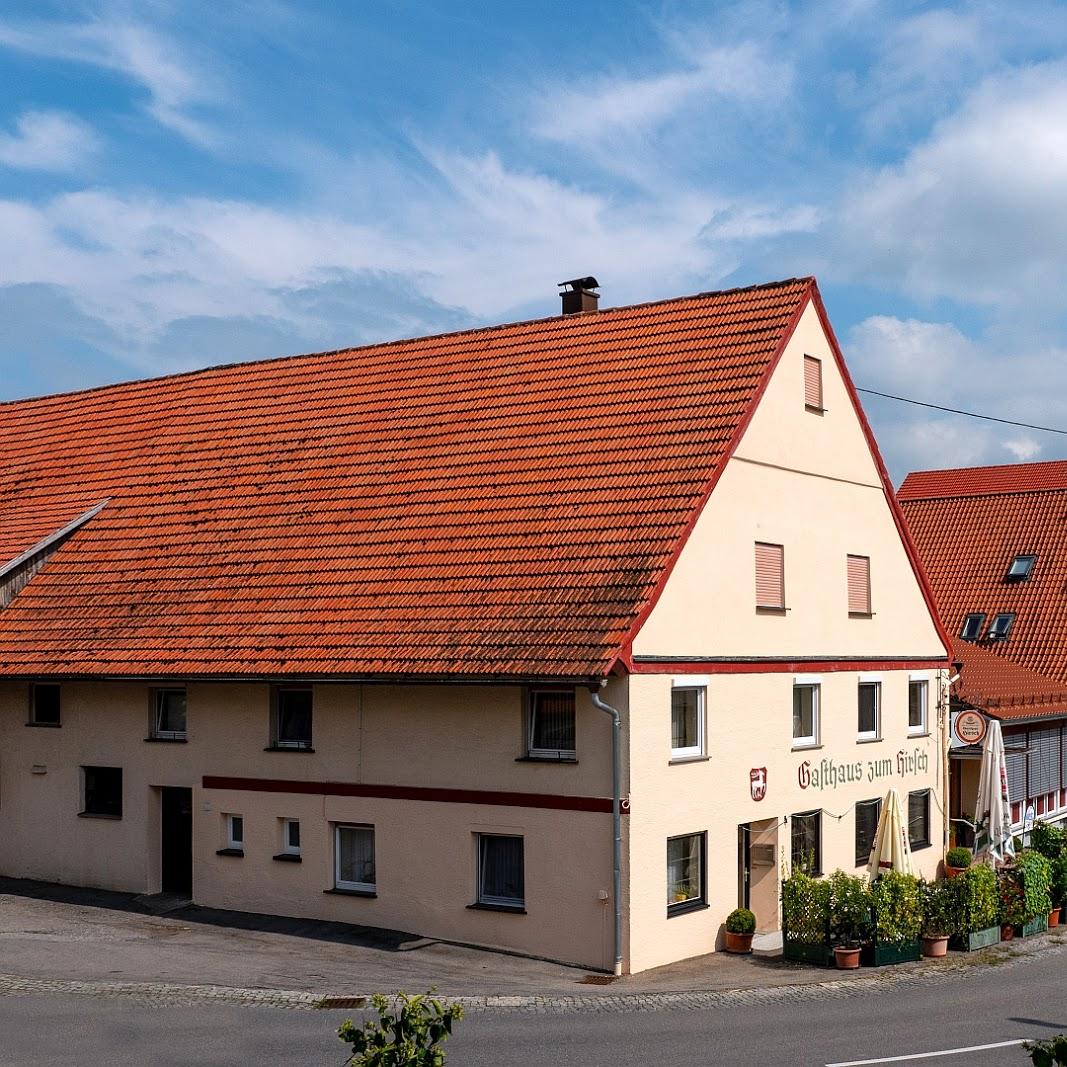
<point x="616" y="819"/>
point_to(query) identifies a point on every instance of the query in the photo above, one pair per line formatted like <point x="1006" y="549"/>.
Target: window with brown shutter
<point x="770" y="576"/>
<point x="859" y="585"/>
<point x="813" y="383"/>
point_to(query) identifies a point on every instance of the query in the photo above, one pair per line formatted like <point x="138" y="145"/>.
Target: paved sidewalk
<point x="59" y="939"/>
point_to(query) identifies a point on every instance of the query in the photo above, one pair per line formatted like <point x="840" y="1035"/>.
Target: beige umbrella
<point x="993" y="842"/>
<point x="891" y="851"/>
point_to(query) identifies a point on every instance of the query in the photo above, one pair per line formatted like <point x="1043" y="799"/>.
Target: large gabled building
<point x="993" y="541"/>
<point x="319" y="635"/>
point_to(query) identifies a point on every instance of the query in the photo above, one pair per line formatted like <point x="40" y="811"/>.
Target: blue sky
<point x="188" y="183"/>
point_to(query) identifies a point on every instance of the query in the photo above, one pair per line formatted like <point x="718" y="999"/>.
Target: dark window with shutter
<point x="806" y="842"/>
<point x="919" y="818"/>
<point x="1016" y="764"/>
<point x="292" y="717"/>
<point x="551" y="724"/>
<point x="867" y="815"/>
<point x="1044" y="769"/>
<point x="501" y="874"/>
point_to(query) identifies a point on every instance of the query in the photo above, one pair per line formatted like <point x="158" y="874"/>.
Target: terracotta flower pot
<point x="935" y="946"/>
<point x="847" y="959"/>
<point x="1054" y="918"/>
<point x="1007" y="932"/>
<point x="951" y="872"/>
<point x="739" y="943"/>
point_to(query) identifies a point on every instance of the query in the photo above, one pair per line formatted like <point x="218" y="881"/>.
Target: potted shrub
<point x="1058" y="887"/>
<point x="1010" y="911"/>
<point x="806" y="919"/>
<point x="850" y="918"/>
<point x="740" y="926"/>
<point x="898" y="917"/>
<point x="977" y="909"/>
<point x="939" y="917"/>
<point x="957" y="860"/>
<point x="1035" y="876"/>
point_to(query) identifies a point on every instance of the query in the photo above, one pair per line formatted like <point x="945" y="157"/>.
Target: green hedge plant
<point x="408" y="1033"/>
<point x="806" y="907"/>
<point x="1035" y="873"/>
<point x="958" y="857"/>
<point x="940" y="914"/>
<point x="1059" y="880"/>
<point x="850" y="909"/>
<point x="1050" y="841"/>
<point x="898" y="908"/>
<point x="741" y="921"/>
<point x="977" y="899"/>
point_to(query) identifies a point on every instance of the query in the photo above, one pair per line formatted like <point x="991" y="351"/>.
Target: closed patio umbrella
<point x="993" y="842"/>
<point x="891" y="850"/>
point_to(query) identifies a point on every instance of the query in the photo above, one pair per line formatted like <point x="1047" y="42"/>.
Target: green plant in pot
<point x="940" y="916"/>
<point x="740" y="926"/>
<point x="1035" y="874"/>
<point x="850" y="917"/>
<point x="957" y="860"/>
<point x="1011" y="912"/>
<point x="1059" y="884"/>
<point x="898" y="909"/>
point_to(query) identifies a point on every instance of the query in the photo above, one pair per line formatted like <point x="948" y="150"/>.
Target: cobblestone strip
<point x="162" y="994"/>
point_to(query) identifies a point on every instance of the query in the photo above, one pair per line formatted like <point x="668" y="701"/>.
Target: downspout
<point x="616" y="819"/>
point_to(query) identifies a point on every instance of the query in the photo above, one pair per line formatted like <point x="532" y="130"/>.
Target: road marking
<point x="930" y="1055"/>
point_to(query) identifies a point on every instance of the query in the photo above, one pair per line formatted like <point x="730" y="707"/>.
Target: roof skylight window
<point x="1001" y="627"/>
<point x="1021" y="568"/>
<point x="972" y="627"/>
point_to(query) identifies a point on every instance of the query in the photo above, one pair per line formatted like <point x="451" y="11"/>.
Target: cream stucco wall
<point x="749" y="725"/>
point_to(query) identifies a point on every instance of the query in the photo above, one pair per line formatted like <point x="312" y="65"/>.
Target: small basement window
<point x="972" y="627"/>
<point x="1020" y="569"/>
<point x="1001" y="627"/>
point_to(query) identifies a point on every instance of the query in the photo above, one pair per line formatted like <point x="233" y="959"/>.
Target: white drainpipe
<point x="616" y="819"/>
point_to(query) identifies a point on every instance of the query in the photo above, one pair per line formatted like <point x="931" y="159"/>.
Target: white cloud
<point x="1023" y="449"/>
<point x="175" y="87"/>
<point x="47" y="140"/>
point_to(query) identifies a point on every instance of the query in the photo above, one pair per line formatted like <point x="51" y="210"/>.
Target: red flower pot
<point x="739" y="943"/>
<point x="935" y="946"/>
<point x="1054" y="918"/>
<point x="1007" y="932"/>
<point x="847" y="959"/>
<point x="951" y="872"/>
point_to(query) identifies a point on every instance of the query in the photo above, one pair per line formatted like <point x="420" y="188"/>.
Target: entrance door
<point x="176" y="846"/>
<point x="757" y="848"/>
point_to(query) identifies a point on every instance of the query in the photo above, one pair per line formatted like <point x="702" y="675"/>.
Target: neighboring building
<point x="994" y="544"/>
<point x="317" y="636"/>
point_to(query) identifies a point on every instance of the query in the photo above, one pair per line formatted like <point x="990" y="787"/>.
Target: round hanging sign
<point x="970" y="727"/>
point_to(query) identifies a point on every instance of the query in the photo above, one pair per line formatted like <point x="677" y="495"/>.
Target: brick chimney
<point x="578" y="296"/>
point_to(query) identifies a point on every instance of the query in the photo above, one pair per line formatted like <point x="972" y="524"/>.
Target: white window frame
<point x="303" y="745"/>
<point x="561" y="754"/>
<point x="924" y="726"/>
<point x="813" y="683"/>
<point x="876" y="734"/>
<point x="157" y="711"/>
<point x="232" y="840"/>
<point x="288" y="848"/>
<point x="486" y="898"/>
<point x="690" y="750"/>
<point x="338" y="881"/>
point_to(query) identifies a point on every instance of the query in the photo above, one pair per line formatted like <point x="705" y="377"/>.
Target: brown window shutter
<point x="813" y="383"/>
<point x="859" y="585"/>
<point x="770" y="576"/>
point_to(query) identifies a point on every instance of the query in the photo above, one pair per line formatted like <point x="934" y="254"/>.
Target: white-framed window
<point x="291" y="719"/>
<point x="45" y="704"/>
<point x="687" y="721"/>
<point x="869" y="711"/>
<point x="501" y="870"/>
<point x="918" y="693"/>
<point x="290" y="837"/>
<point x="806" y="713"/>
<point x="235" y="832"/>
<point x="168" y="714"/>
<point x="550" y="722"/>
<point x="353" y="858"/>
<point x="686" y="872"/>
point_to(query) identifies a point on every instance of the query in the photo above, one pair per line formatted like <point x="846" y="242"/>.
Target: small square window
<point x="806" y="842"/>
<point x="235" y="832"/>
<point x="686" y="872"/>
<point x="805" y="715"/>
<point x="168" y="717"/>
<point x="550" y="724"/>
<point x="353" y="852"/>
<point x="867" y="814"/>
<point x="687" y="722"/>
<point x="103" y="791"/>
<point x="44" y="704"/>
<point x="292" y="717"/>
<point x="917" y="695"/>
<point x="972" y="627"/>
<point x="870" y="711"/>
<point x="291" y="837"/>
<point x="501" y="871"/>
<point x="919" y="818"/>
<point x="1001" y="627"/>
<point x="1020" y="569"/>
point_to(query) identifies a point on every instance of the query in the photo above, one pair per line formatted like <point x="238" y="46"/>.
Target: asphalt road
<point x="885" y="1021"/>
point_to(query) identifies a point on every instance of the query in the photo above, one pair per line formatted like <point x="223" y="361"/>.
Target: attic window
<point x="972" y="627"/>
<point x="1021" y="568"/>
<point x="1001" y="627"/>
<point x="813" y="384"/>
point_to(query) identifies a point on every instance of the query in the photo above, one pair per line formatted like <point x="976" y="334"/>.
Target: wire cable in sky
<point x="958" y="411"/>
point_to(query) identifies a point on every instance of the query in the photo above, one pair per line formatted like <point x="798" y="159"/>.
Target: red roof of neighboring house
<point x="968" y="525"/>
<point x="497" y="502"/>
<point x="1002" y="688"/>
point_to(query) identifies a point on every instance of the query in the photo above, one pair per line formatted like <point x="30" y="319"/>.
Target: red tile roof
<point x="968" y="525"/>
<point x="498" y="502"/>
<point x="1002" y="688"/>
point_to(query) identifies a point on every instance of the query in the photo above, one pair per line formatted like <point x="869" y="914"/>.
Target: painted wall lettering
<point x="830" y="775"/>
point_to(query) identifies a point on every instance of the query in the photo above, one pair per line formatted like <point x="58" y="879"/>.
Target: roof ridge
<point x="396" y="342"/>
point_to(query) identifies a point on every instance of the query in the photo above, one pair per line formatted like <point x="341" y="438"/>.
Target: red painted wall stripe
<point x="411" y="792"/>
<point x="796" y="666"/>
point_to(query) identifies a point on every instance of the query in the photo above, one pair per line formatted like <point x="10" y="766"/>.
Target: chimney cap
<point x="577" y="284"/>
